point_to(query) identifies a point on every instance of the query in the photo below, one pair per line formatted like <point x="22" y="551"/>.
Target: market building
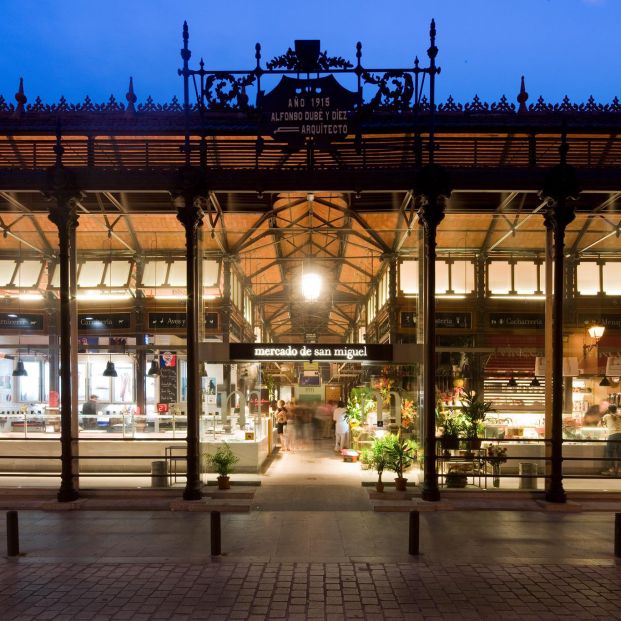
<point x="302" y="230"/>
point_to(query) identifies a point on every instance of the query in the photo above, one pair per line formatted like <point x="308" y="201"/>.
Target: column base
<point x="430" y="493"/>
<point x="67" y="494"/>
<point x="192" y="493"/>
<point x="556" y="494"/>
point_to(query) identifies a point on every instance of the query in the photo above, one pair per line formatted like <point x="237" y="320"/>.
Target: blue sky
<point x="87" y="47"/>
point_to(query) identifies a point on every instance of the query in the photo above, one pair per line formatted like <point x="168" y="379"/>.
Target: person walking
<point x="341" y="427"/>
<point x="612" y="421"/>
<point x="281" y="424"/>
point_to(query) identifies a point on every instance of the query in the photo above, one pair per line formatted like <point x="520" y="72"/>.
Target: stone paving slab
<point x="31" y="590"/>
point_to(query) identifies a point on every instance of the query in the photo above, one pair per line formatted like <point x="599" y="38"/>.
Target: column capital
<point x="560" y="186"/>
<point x="432" y="187"/>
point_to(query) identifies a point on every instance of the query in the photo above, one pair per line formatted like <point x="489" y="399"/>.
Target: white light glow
<point x="518" y="297"/>
<point x="102" y="296"/>
<point x="170" y="297"/>
<point x="30" y="297"/>
<point x="596" y="331"/>
<point x="311" y="286"/>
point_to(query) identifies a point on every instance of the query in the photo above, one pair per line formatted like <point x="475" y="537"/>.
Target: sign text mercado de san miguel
<point x="352" y="352"/>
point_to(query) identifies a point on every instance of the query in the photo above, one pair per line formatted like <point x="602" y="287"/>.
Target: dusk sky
<point x="82" y="47"/>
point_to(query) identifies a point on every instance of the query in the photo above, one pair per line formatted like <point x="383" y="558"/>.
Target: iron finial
<point x="257" y="53"/>
<point x="131" y="98"/>
<point x="185" y="52"/>
<point x="522" y="97"/>
<point x="563" y="148"/>
<point x="20" y="98"/>
<point x="358" y="51"/>
<point x="432" y="52"/>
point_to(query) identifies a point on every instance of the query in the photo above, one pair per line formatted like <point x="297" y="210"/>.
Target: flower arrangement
<point x="495" y="455"/>
<point x="408" y="415"/>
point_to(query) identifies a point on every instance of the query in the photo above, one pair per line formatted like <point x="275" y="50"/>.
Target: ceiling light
<point x="535" y="383"/>
<point x="596" y="331"/>
<point x="311" y="286"/>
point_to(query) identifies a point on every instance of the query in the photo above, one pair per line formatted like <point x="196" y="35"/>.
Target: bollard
<point x="215" y="533"/>
<point x="414" y="531"/>
<point x="12" y="534"/>
<point x="618" y="535"/>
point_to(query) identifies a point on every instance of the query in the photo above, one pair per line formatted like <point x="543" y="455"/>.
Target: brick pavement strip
<point x="32" y="589"/>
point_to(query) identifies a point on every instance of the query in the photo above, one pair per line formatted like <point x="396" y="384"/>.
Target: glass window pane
<point x="588" y="278"/>
<point x="210" y="273"/>
<point x="499" y="277"/>
<point x="124" y="383"/>
<point x="408" y="277"/>
<point x="7" y="268"/>
<point x="525" y="275"/>
<point x="28" y="274"/>
<point x="612" y="282"/>
<point x="118" y="273"/>
<point x="462" y="277"/>
<point x="154" y="273"/>
<point x="98" y="384"/>
<point x="177" y="275"/>
<point x="90" y="274"/>
<point x="442" y="277"/>
<point x="28" y="386"/>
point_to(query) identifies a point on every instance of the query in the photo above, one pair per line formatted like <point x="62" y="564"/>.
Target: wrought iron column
<point x="560" y="186"/>
<point x="191" y="216"/>
<point x="392" y="296"/>
<point x="62" y="188"/>
<point x="433" y="188"/>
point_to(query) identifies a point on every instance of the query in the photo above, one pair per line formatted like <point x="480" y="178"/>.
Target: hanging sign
<point x="21" y="321"/>
<point x="99" y="321"/>
<point x="527" y="321"/>
<point x="443" y="320"/>
<point x="170" y="321"/>
<point x="608" y="321"/>
<point x="317" y="108"/>
<point x="352" y="352"/>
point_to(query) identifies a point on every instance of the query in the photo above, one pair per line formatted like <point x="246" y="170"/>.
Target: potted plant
<point x="452" y="428"/>
<point x="378" y="459"/>
<point x="222" y="461"/>
<point x="408" y="418"/>
<point x="455" y="478"/>
<point x="401" y="454"/>
<point x="474" y="413"/>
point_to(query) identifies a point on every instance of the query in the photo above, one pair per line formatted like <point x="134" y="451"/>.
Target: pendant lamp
<point x="110" y="371"/>
<point x="20" y="370"/>
<point x="154" y="369"/>
<point x="512" y="383"/>
<point x="535" y="383"/>
<point x="605" y="382"/>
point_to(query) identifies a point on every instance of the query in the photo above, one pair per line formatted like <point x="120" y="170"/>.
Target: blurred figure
<point x="292" y="425"/>
<point x="281" y="424"/>
<point x="341" y="427"/>
<point x="612" y="422"/>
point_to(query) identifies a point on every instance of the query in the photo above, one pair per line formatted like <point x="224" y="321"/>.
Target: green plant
<point x="379" y="456"/>
<point x="223" y="460"/>
<point x="453" y="425"/>
<point x="474" y="413"/>
<point x="400" y="454"/>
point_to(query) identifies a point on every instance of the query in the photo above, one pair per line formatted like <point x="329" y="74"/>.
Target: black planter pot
<point x="449" y="443"/>
<point x="474" y="444"/>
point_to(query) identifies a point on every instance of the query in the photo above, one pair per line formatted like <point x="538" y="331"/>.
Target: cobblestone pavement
<point x="349" y="590"/>
<point x="311" y="565"/>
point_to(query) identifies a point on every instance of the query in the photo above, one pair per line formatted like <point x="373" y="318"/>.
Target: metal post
<point x="414" y="532"/>
<point x="191" y="216"/>
<point x="432" y="188"/>
<point x="12" y="534"/>
<point x="216" y="535"/>
<point x="618" y="535"/>
<point x="560" y="185"/>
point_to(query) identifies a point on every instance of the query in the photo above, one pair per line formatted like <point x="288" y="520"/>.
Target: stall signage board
<point x="351" y="352"/>
<point x="170" y="321"/>
<point x="21" y="321"/>
<point x="608" y="321"/>
<point x="527" y="321"/>
<point x="452" y="321"/>
<point x="317" y="108"/>
<point x="168" y="380"/>
<point x="108" y="321"/>
<point x="613" y="366"/>
<point x="570" y="366"/>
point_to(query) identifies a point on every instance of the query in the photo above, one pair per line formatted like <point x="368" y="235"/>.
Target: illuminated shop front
<point x="136" y="258"/>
